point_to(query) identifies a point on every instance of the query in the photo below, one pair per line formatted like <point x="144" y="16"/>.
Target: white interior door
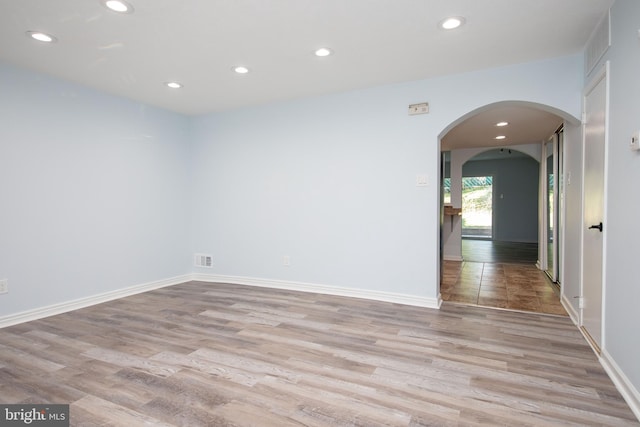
<point x="594" y="162"/>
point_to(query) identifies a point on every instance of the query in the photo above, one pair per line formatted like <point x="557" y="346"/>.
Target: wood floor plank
<point x="114" y="414"/>
<point x="202" y="354"/>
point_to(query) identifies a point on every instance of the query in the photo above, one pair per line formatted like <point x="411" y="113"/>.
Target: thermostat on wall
<point x="422" y="108"/>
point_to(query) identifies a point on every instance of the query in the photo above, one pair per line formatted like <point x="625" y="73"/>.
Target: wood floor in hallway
<point x="210" y="354"/>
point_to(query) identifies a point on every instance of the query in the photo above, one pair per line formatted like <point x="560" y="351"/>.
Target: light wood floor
<point x="201" y="354"/>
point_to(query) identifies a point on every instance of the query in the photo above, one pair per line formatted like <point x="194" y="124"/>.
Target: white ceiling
<point x="528" y="124"/>
<point x="197" y="42"/>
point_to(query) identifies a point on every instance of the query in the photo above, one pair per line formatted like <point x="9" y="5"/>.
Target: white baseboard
<point x="452" y="258"/>
<point x="573" y="314"/>
<point x="64" y="307"/>
<point x="619" y="379"/>
<point x="323" y="289"/>
<point x="52" y="310"/>
<point x="622" y="383"/>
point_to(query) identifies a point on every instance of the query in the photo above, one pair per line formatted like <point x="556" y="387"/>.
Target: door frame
<point x="557" y="147"/>
<point x="601" y="75"/>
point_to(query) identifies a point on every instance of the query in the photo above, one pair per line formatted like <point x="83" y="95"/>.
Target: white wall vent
<point x="598" y="43"/>
<point x="202" y="260"/>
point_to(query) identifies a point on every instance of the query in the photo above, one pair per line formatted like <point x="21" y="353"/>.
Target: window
<point x="446" y="190"/>
<point x="477" y="207"/>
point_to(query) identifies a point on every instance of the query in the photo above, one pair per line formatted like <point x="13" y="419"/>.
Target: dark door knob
<point x="599" y="227"/>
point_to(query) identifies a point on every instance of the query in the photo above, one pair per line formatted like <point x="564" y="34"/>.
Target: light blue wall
<point x="98" y="185"/>
<point x="622" y="287"/>
<point x="92" y="192"/>
<point x="330" y="181"/>
<point x="515" y="195"/>
<point x="99" y="193"/>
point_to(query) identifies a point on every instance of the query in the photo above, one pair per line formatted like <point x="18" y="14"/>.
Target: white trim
<point x="52" y="310"/>
<point x="556" y="201"/>
<point x="622" y="383"/>
<point x="602" y="74"/>
<point x="322" y="289"/>
<point x="593" y="52"/>
<point x="452" y="258"/>
<point x="573" y="314"/>
<point x="562" y="197"/>
<point x="605" y="201"/>
<point x="542" y="209"/>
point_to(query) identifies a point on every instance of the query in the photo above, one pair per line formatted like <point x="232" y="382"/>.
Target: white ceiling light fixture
<point x="119" y="6"/>
<point x="42" y="37"/>
<point x="500" y="137"/>
<point x="502" y="124"/>
<point x="174" y="85"/>
<point x="240" y="69"/>
<point x="323" y="51"/>
<point x="452" y="22"/>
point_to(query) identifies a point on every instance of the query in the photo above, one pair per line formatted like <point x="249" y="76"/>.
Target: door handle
<point x="599" y="227"/>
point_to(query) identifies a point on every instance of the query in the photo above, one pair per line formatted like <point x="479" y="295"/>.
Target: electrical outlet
<point x="286" y="260"/>
<point x="4" y="286"/>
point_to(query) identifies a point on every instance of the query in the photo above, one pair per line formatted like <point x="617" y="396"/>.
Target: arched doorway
<point x="501" y="129"/>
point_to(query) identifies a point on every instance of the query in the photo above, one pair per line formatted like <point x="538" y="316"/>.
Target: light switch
<point x="421" y="180"/>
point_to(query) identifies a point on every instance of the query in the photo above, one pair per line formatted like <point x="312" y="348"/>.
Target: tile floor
<point x="501" y="285"/>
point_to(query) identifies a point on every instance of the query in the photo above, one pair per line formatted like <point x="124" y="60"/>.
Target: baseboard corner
<point x="404" y="299"/>
<point x="60" y="308"/>
<point x="628" y="391"/>
<point x="573" y="314"/>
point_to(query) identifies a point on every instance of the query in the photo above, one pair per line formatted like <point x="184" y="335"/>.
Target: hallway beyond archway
<point x="521" y="287"/>
<point x="482" y="250"/>
<point x="500" y="275"/>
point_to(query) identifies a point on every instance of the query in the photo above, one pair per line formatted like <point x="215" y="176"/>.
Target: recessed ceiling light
<point x="174" y="85"/>
<point x="323" y="51"/>
<point x="452" y="22"/>
<point x="42" y="37"/>
<point x="500" y="137"/>
<point x="241" y="69"/>
<point x="501" y="124"/>
<point x="119" y="6"/>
